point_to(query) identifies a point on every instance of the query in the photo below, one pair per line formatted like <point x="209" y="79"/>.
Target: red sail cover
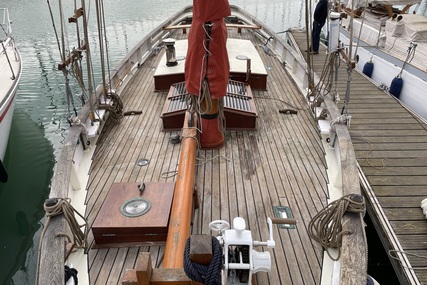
<point x="217" y="68"/>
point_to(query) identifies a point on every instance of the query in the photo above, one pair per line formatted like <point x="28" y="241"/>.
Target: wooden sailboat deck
<point x="391" y="148"/>
<point x="280" y="164"/>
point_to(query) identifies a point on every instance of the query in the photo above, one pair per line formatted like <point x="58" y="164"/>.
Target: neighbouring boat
<point x="390" y="46"/>
<point x="135" y="200"/>
<point x="10" y="74"/>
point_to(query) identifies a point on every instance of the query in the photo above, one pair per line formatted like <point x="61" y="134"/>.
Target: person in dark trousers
<point x="320" y="15"/>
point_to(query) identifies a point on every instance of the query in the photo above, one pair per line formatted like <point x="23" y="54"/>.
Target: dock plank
<point x="390" y="145"/>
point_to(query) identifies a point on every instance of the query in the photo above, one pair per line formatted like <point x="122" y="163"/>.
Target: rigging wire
<point x="345" y="109"/>
<point x="79" y="44"/>
<point x="56" y="32"/>
<point x="326" y="79"/>
<point x="2" y="27"/>
<point x="64" y="38"/>
<point x="409" y="57"/>
<point x="106" y="45"/>
<point x="99" y="12"/>
<point x="89" y="65"/>
<point x="115" y="106"/>
<point x="308" y="24"/>
<point x="61" y="18"/>
<point x="77" y="26"/>
<point x="360" y="30"/>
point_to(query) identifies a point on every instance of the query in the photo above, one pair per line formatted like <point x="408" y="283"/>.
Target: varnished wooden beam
<point x="182" y="204"/>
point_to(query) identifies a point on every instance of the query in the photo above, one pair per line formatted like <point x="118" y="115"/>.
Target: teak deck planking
<point x="391" y="149"/>
<point x="280" y="164"/>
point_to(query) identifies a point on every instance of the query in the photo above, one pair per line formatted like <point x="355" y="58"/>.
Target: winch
<point x="240" y="260"/>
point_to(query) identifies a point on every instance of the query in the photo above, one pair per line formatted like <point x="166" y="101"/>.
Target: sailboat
<point x="10" y="74"/>
<point x="390" y="40"/>
<point x="137" y="198"/>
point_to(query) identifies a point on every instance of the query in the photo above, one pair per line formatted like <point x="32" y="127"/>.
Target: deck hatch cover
<point x="283" y="212"/>
<point x="239" y="107"/>
<point x="236" y="98"/>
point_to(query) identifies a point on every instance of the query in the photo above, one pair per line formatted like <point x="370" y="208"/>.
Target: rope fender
<point x="207" y="274"/>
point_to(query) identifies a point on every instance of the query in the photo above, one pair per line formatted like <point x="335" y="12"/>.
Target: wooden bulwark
<point x="391" y="148"/>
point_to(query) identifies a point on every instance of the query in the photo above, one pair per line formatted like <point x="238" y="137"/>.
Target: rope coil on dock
<point x="326" y="226"/>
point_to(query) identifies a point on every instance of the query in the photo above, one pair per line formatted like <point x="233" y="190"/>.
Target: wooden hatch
<point x="115" y="226"/>
<point x="239" y="107"/>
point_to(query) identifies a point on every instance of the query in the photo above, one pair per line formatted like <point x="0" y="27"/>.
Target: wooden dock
<point x="391" y="148"/>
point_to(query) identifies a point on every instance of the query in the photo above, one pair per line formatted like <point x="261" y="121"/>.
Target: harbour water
<point x="39" y="123"/>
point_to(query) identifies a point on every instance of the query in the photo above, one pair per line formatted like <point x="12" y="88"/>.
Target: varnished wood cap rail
<point x="284" y="221"/>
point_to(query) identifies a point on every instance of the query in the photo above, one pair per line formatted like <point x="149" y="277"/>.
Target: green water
<point x="39" y="123"/>
<point x="29" y="161"/>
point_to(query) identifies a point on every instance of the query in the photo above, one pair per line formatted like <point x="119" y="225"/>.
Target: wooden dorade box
<point x="113" y="228"/>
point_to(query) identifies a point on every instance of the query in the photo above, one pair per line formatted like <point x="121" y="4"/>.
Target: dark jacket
<point x="321" y="11"/>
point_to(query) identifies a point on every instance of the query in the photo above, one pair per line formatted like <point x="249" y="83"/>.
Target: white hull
<point x="386" y="69"/>
<point x="10" y="74"/>
<point x="389" y="60"/>
<point x="6" y="115"/>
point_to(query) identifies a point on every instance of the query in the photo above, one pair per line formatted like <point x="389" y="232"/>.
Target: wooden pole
<point x="182" y="204"/>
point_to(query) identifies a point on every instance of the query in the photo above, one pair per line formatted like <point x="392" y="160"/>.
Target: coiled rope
<point x="207" y="274"/>
<point x="326" y="226"/>
<point x="115" y="109"/>
<point x="62" y="206"/>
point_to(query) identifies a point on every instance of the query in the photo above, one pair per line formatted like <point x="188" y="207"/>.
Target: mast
<point x="92" y="99"/>
<point x="99" y="14"/>
<point x="308" y="20"/>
